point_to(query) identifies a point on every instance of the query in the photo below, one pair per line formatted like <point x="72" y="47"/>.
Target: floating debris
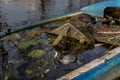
<point x="36" y="53"/>
<point x="14" y="36"/>
<point x="28" y="71"/>
<point x="46" y="52"/>
<point x="23" y="44"/>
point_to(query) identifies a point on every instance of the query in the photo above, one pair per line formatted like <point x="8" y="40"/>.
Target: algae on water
<point x="36" y="53"/>
<point x="27" y="42"/>
<point x="12" y="37"/>
<point x="29" y="71"/>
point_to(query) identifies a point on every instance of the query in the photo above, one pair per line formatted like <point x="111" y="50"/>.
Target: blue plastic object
<point x="98" y="8"/>
<point x="100" y="72"/>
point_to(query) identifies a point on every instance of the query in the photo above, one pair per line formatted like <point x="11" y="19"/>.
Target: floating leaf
<point x="36" y="53"/>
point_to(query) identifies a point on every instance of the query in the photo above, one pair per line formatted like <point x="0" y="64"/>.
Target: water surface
<point x="19" y="12"/>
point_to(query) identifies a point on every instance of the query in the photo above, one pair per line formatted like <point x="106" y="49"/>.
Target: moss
<point x="12" y="37"/>
<point x="36" y="53"/>
<point x="48" y="42"/>
<point x="29" y="71"/>
<point x="27" y="42"/>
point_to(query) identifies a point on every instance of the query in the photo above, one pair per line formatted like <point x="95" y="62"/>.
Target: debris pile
<point x="41" y="53"/>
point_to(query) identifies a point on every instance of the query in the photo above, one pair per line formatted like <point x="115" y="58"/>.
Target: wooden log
<point x="109" y="32"/>
<point x="108" y="40"/>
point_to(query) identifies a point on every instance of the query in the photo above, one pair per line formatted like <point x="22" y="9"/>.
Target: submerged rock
<point x="69" y="58"/>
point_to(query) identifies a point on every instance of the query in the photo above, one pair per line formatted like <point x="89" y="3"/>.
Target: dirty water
<point x="18" y="12"/>
<point x="35" y="59"/>
<point x="38" y="61"/>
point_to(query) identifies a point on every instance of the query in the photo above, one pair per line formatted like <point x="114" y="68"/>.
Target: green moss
<point x="36" y="53"/>
<point x="12" y="37"/>
<point x="29" y="71"/>
<point x="27" y="42"/>
<point x="48" y="43"/>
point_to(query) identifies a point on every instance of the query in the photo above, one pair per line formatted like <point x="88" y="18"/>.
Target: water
<point x="19" y="12"/>
<point x="23" y="67"/>
<point x="14" y="13"/>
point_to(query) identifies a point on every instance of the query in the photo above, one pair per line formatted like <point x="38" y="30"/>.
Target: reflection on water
<point x="18" y="12"/>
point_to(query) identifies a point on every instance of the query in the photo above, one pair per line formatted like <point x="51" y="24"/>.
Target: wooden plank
<point x="61" y="35"/>
<point x="109" y="32"/>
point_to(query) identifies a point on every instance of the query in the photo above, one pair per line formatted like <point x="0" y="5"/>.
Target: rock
<point x="68" y="59"/>
<point x="46" y="71"/>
